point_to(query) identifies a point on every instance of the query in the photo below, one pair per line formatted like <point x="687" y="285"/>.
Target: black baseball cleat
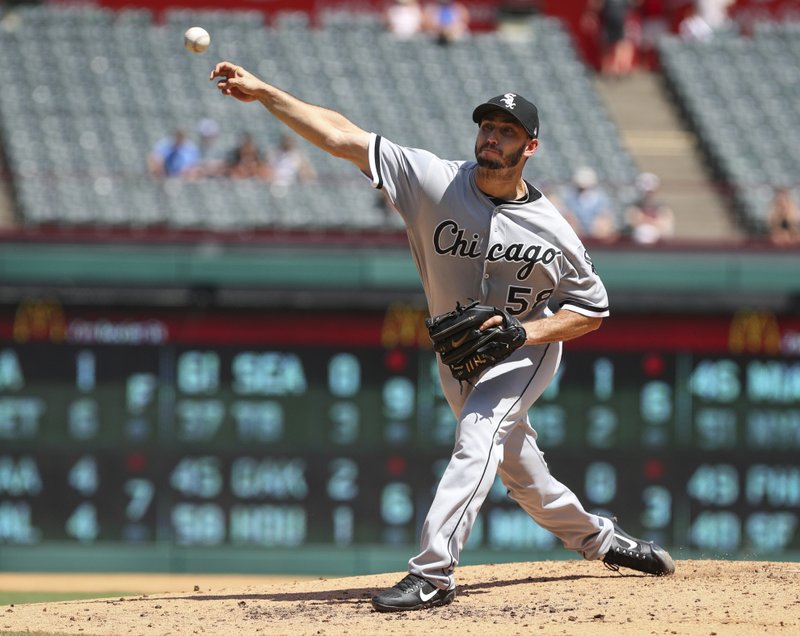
<point x="412" y="593"/>
<point x="645" y="556"/>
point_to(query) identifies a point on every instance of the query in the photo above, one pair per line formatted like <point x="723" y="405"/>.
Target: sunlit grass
<point x="18" y="598"/>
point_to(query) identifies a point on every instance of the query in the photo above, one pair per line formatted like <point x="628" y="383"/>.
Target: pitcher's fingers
<point x="494" y="321"/>
<point x="223" y="68"/>
<point x="225" y="87"/>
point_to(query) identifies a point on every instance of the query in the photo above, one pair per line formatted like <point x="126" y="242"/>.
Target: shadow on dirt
<point x="354" y="595"/>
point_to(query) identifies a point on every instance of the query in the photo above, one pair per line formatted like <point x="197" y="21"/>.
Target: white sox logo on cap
<point x="508" y="100"/>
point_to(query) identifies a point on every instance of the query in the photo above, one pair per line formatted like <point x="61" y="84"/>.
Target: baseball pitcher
<point x="493" y="254"/>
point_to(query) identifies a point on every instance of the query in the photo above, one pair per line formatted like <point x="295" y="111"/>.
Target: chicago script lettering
<point x="448" y="240"/>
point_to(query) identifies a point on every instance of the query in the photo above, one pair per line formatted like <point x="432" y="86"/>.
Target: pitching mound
<point x="572" y="597"/>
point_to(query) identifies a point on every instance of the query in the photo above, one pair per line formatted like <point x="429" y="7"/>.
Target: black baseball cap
<point x="518" y="107"/>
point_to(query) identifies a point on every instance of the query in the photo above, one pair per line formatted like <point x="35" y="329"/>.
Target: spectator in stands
<point x="211" y="162"/>
<point x="611" y="20"/>
<point x="588" y="208"/>
<point x="403" y="19"/>
<point x="693" y="28"/>
<point x="211" y="158"/>
<point x="174" y="156"/>
<point x="783" y="218"/>
<point x="649" y="220"/>
<point x="446" y="20"/>
<point x="654" y="24"/>
<point x="246" y="161"/>
<point x="714" y="13"/>
<point x="288" y="165"/>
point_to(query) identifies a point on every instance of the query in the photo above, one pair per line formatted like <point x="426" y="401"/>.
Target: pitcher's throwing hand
<point x="236" y="82"/>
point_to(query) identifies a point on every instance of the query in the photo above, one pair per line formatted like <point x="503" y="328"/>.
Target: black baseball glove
<point x="467" y="350"/>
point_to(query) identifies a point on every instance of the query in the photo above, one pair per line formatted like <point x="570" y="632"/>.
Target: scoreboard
<point x="283" y="428"/>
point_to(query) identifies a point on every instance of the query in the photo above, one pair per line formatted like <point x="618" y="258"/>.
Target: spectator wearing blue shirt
<point x="588" y="208"/>
<point x="174" y="156"/>
<point x="446" y="20"/>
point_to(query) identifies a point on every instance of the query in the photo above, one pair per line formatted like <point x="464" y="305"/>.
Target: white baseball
<point x="196" y="39"/>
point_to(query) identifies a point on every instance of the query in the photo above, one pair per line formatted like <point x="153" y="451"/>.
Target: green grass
<point x="18" y="598"/>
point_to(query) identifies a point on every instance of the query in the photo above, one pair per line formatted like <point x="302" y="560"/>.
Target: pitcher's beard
<point x="501" y="163"/>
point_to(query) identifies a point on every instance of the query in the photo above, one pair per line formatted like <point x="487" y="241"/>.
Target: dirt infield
<point x="570" y="597"/>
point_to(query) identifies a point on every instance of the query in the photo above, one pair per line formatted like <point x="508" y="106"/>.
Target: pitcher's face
<point x="502" y="142"/>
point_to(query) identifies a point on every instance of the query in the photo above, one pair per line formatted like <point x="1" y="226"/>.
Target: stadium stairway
<point x="6" y="209"/>
<point x="653" y="133"/>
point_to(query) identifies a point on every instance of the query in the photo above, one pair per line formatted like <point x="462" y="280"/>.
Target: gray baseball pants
<point x="493" y="435"/>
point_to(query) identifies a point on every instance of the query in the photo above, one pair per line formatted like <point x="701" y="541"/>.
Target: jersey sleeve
<point x="580" y="289"/>
<point x="399" y="172"/>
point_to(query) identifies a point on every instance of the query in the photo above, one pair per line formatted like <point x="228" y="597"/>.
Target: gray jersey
<point x="467" y="246"/>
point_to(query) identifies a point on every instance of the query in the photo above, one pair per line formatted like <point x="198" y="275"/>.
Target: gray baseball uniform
<point x="516" y="255"/>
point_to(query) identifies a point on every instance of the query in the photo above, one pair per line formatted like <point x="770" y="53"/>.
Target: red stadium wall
<point x="744" y="12"/>
<point x="485" y="14"/>
<point x="747" y="12"/>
